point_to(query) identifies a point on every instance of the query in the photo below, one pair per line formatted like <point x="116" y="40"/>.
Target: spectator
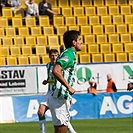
<point x="45" y="8"/>
<point x="3" y="3"/>
<point x="130" y="85"/>
<point x="93" y="86"/>
<point x="32" y="9"/>
<point x="111" y="87"/>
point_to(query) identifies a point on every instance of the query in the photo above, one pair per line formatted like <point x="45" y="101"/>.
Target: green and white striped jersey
<point x="67" y="60"/>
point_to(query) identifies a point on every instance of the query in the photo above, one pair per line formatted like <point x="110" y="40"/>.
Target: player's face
<point x="53" y="57"/>
<point x="78" y="44"/>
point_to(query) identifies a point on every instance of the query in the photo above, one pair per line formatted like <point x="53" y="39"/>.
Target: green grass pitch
<point x="112" y="125"/>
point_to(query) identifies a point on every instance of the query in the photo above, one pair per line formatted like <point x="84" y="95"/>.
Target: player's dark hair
<point x="53" y="51"/>
<point x="69" y="36"/>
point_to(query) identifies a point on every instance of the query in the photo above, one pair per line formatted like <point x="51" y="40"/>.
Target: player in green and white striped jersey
<point x="63" y="71"/>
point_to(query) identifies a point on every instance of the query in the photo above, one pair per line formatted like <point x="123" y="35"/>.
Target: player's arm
<point x="57" y="72"/>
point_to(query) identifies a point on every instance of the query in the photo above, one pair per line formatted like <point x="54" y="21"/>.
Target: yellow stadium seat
<point x="86" y="3"/>
<point x="53" y="40"/>
<point x="48" y="30"/>
<point x="40" y="50"/>
<point x="74" y="3"/>
<point x="41" y="40"/>
<point x="17" y="22"/>
<point x="34" y="59"/>
<point x="66" y="11"/>
<point x="97" y="29"/>
<point x="98" y="2"/>
<point x="130" y="27"/>
<point x="2" y="32"/>
<point x="78" y="11"/>
<point x="30" y="21"/>
<point x="94" y="20"/>
<point x="113" y="10"/>
<point x="110" y="2"/>
<point x="15" y="50"/>
<point x="97" y="58"/>
<point x="117" y="48"/>
<point x="110" y="29"/>
<point x="82" y="20"/>
<point x="53" y="3"/>
<point x="3" y="22"/>
<point x="102" y="10"/>
<point x="44" y="21"/>
<point x="101" y="38"/>
<point x="19" y="12"/>
<point x="45" y="59"/>
<point x="7" y="41"/>
<point x="23" y="31"/>
<point x="58" y="20"/>
<point x="30" y="40"/>
<point x="11" y="60"/>
<point x="26" y="50"/>
<point x="88" y="39"/>
<point x="122" y="2"/>
<point x="129" y="19"/>
<point x="70" y="20"/>
<point x="105" y="48"/>
<point x="57" y="10"/>
<point x="117" y="19"/>
<point x="61" y="40"/>
<point x="125" y="38"/>
<point x="83" y="49"/>
<point x="130" y="57"/>
<point x="125" y="9"/>
<point x="23" y="60"/>
<point x="85" y="29"/>
<point x="90" y="11"/>
<point x="54" y="47"/>
<point x="109" y="57"/>
<point x="63" y="3"/>
<point x="74" y="27"/>
<point x="4" y="51"/>
<point x="130" y="2"/>
<point x="113" y="38"/>
<point x="61" y="30"/>
<point x="93" y="48"/>
<point x="121" y="28"/>
<point x="36" y="31"/>
<point x="10" y="31"/>
<point x="121" y="57"/>
<point x="128" y="47"/>
<point x="19" y="40"/>
<point x="106" y="19"/>
<point x="2" y="61"/>
<point x="7" y="12"/>
<point x="84" y="58"/>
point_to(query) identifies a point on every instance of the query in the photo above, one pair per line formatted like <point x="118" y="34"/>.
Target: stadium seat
<point x="113" y="38"/>
<point x="86" y="3"/>
<point x="23" y="60"/>
<point x="66" y="11"/>
<point x="41" y="40"/>
<point x="70" y="20"/>
<point x="105" y="48"/>
<point x="106" y="19"/>
<point x="74" y="27"/>
<point x="85" y="29"/>
<point x="34" y="59"/>
<point x="122" y="2"/>
<point x="113" y="10"/>
<point x="11" y="60"/>
<point x="130" y="2"/>
<point x="19" y="12"/>
<point x="89" y="39"/>
<point x="7" y="41"/>
<point x="44" y="21"/>
<point x="58" y="20"/>
<point x="63" y="3"/>
<point x="30" y="21"/>
<point x="109" y="29"/>
<point x="56" y="9"/>
<point x="83" y="49"/>
<point x="128" y="47"/>
<point x="98" y="2"/>
<point x="2" y="61"/>
<point x="2" y="32"/>
<point x="54" y="47"/>
<point x="7" y="12"/>
<point x="117" y="19"/>
<point x="53" y="3"/>
<point x="53" y="40"/>
<point x="82" y="20"/>
<point x="102" y="10"/>
<point x="30" y="40"/>
<point x="23" y="31"/>
<point x="61" y="30"/>
<point x="121" y="28"/>
<point x="130" y="57"/>
<point x="11" y="31"/>
<point x="117" y="48"/>
<point x="45" y="59"/>
<point x="128" y="19"/>
<point x="110" y="2"/>
<point x="93" y="48"/>
<point x="48" y="30"/>
<point x="15" y="51"/>
<point x="78" y="11"/>
<point x="17" y="22"/>
<point x="121" y="57"/>
<point x="109" y="57"/>
<point x="36" y="31"/>
<point x="4" y="51"/>
<point x="3" y="22"/>
<point x="97" y="29"/>
<point x="97" y="58"/>
<point x="19" y="40"/>
<point x="94" y="20"/>
<point x="40" y="50"/>
<point x="90" y="11"/>
<point x="125" y="9"/>
<point x="74" y="3"/>
<point x="125" y="38"/>
<point x="26" y="50"/>
<point x="130" y="28"/>
<point x="101" y="38"/>
<point x="84" y="58"/>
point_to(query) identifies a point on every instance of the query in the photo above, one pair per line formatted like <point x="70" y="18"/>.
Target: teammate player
<point x="62" y="90"/>
<point x="53" y="54"/>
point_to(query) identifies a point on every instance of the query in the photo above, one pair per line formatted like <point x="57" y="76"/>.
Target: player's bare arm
<point x="57" y="72"/>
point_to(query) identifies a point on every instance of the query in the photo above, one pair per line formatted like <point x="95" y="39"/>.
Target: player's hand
<point x="71" y="91"/>
<point x="44" y="82"/>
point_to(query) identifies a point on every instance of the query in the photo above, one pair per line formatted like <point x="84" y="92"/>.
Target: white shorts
<point x="45" y="99"/>
<point x="59" y="110"/>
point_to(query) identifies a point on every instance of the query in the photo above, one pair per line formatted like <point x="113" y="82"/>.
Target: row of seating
<point x="81" y="58"/>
